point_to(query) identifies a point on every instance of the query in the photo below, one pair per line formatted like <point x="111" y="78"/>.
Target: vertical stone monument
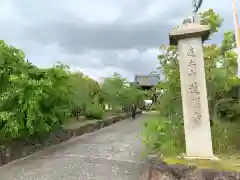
<point x="189" y="38"/>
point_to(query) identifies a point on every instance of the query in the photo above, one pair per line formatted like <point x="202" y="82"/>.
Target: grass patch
<point x="230" y="163"/>
<point x="162" y="135"/>
<point x="166" y="137"/>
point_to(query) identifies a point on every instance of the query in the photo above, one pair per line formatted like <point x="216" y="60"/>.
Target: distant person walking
<point x="134" y="111"/>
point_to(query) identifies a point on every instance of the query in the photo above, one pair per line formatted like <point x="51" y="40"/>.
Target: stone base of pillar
<point x="215" y="158"/>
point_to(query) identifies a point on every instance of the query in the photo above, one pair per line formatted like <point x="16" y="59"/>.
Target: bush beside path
<point x="15" y="149"/>
<point x="114" y="152"/>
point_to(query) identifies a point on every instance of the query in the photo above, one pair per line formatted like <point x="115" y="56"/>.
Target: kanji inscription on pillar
<point x="189" y="38"/>
<point x="193" y="89"/>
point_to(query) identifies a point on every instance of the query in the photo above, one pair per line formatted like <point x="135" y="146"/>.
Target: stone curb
<point x="159" y="170"/>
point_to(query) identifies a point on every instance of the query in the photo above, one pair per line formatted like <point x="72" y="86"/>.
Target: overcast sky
<point x="98" y="37"/>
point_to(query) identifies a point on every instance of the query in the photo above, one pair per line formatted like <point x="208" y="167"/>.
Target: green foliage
<point x="94" y="111"/>
<point x="153" y="107"/>
<point x="171" y="85"/>
<point x="80" y="92"/>
<point x="220" y="69"/>
<point x="118" y="93"/>
<point x="210" y="17"/>
<point x="162" y="135"/>
<point x="228" y="110"/>
<point x="165" y="135"/>
<point x="225" y="137"/>
<point x="34" y="101"/>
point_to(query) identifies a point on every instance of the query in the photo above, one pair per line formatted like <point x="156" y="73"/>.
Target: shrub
<point x="225" y="137"/>
<point x="166" y="136"/>
<point x="228" y="110"/>
<point x="94" y="111"/>
<point x="163" y="135"/>
<point x="117" y="109"/>
<point x="154" y="107"/>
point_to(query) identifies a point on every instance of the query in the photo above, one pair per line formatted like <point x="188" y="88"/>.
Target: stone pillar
<point x="189" y="38"/>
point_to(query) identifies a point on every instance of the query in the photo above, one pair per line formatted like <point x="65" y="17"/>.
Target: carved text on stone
<point x="191" y="51"/>
<point x="194" y="93"/>
<point x="196" y="117"/>
<point x="196" y="102"/>
<point x="193" y="89"/>
<point x="192" y="67"/>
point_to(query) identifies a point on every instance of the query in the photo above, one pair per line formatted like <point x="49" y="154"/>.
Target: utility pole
<point x="237" y="34"/>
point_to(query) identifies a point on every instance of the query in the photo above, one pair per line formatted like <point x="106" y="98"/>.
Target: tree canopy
<point x="35" y="101"/>
<point x="220" y="68"/>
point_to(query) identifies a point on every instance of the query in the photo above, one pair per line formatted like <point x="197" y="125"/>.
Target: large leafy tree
<point x="33" y="100"/>
<point x="86" y="92"/>
<point x="220" y="68"/>
<point x="118" y="92"/>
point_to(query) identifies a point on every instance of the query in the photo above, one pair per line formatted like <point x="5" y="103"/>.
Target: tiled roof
<point x="147" y="80"/>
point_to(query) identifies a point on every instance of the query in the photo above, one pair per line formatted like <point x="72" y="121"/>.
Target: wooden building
<point x="146" y="82"/>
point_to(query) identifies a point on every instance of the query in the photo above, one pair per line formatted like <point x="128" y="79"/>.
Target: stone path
<point x="112" y="153"/>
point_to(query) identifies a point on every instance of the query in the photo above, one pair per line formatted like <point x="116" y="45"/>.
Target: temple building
<point x="146" y="82"/>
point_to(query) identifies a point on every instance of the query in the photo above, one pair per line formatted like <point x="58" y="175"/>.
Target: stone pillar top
<point x="189" y="30"/>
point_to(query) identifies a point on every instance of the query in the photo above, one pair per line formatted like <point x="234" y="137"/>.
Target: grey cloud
<point x="74" y="38"/>
<point x="50" y="31"/>
<point x="133" y="61"/>
<point x="75" y="35"/>
<point x="140" y="62"/>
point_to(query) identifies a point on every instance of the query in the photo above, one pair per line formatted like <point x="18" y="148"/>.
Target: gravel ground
<point x="112" y="153"/>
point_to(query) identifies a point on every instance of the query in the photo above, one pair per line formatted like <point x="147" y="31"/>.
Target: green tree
<point x="220" y="69"/>
<point x="33" y="101"/>
<point x="118" y="92"/>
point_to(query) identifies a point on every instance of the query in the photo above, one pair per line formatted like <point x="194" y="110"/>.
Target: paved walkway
<point x="112" y="153"/>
